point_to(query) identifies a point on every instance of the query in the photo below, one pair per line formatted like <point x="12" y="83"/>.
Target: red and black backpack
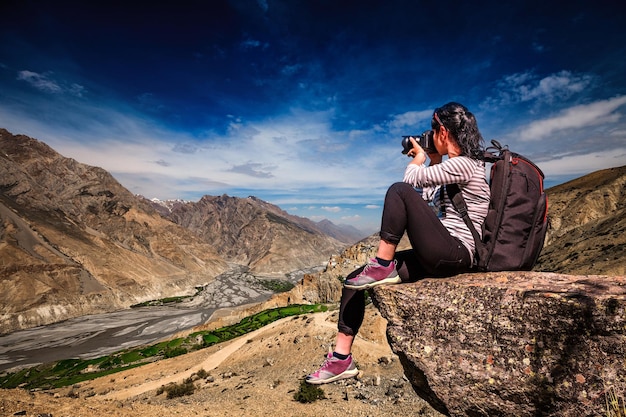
<point x="515" y="226"/>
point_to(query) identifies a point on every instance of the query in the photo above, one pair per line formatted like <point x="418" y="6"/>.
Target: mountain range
<point x="252" y="232"/>
<point x="74" y="241"/>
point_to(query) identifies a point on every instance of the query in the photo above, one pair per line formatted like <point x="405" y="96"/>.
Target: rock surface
<point x="510" y="343"/>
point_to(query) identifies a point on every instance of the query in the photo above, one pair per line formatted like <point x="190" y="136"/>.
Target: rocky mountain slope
<point x="253" y="232"/>
<point x="73" y="241"/>
<point x="343" y="233"/>
<point x="587" y="233"/>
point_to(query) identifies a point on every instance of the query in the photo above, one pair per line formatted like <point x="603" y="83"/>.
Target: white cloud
<point x="562" y="84"/>
<point x="44" y="83"/>
<point x="526" y="86"/>
<point x="331" y="209"/>
<point x="578" y="165"/>
<point x="253" y="169"/>
<point x="409" y="119"/>
<point x="39" y="81"/>
<point x="76" y="90"/>
<point x="586" y="115"/>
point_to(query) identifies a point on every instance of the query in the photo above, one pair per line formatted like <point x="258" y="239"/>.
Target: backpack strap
<point x="454" y="192"/>
<point x="493" y="153"/>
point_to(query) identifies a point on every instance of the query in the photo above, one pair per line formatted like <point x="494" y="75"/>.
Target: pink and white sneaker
<point x="333" y="369"/>
<point x="374" y="274"/>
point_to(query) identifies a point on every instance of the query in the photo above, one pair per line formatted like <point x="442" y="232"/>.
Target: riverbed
<point x="98" y="335"/>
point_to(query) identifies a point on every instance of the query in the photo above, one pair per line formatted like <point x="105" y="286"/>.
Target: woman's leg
<point x="404" y="210"/>
<point x="386" y="250"/>
<point x="438" y="253"/>
<point x="343" y="343"/>
<point x="400" y="199"/>
<point x="404" y="207"/>
<point x="339" y="364"/>
<point x="351" y="314"/>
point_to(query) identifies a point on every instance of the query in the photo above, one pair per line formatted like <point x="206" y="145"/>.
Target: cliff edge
<point x="510" y="343"/>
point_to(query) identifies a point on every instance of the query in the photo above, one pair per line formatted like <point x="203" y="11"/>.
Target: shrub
<point x="179" y="390"/>
<point x="276" y="285"/>
<point x="308" y="393"/>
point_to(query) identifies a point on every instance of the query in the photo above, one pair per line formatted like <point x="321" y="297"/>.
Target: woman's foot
<point x="333" y="369"/>
<point x="374" y="274"/>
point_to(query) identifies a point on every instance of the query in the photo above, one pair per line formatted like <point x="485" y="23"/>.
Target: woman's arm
<point x="452" y="170"/>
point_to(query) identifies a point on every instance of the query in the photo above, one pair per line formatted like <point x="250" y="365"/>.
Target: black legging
<point x="435" y="252"/>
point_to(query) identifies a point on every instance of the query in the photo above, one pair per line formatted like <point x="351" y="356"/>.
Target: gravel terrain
<point x="256" y="374"/>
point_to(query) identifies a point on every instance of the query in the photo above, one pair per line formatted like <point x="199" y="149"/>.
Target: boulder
<point x="511" y="343"/>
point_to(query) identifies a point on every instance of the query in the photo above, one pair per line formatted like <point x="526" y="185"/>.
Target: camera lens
<point x="406" y="145"/>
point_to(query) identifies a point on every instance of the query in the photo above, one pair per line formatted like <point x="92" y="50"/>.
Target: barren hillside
<point x="587" y="233"/>
<point x="255" y="375"/>
<point x="74" y="242"/>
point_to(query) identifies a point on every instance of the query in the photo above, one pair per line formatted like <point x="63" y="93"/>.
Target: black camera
<point x="425" y="140"/>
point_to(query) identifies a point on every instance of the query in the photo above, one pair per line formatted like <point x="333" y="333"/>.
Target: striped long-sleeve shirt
<point x="470" y="175"/>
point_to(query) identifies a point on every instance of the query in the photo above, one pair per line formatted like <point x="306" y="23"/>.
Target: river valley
<point x="98" y="335"/>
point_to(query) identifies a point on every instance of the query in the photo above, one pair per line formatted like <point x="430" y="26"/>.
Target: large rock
<point x="511" y="343"/>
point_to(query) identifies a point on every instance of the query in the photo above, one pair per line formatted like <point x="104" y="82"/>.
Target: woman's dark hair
<point x="457" y="119"/>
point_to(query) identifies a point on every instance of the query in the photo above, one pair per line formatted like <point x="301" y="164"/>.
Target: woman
<point x="441" y="242"/>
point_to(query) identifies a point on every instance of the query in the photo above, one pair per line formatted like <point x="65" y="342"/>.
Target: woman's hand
<point x="417" y="153"/>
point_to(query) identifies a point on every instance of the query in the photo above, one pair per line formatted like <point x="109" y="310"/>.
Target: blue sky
<point x="303" y="103"/>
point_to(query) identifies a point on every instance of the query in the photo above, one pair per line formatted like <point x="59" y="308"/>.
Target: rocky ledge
<point x="511" y="343"/>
